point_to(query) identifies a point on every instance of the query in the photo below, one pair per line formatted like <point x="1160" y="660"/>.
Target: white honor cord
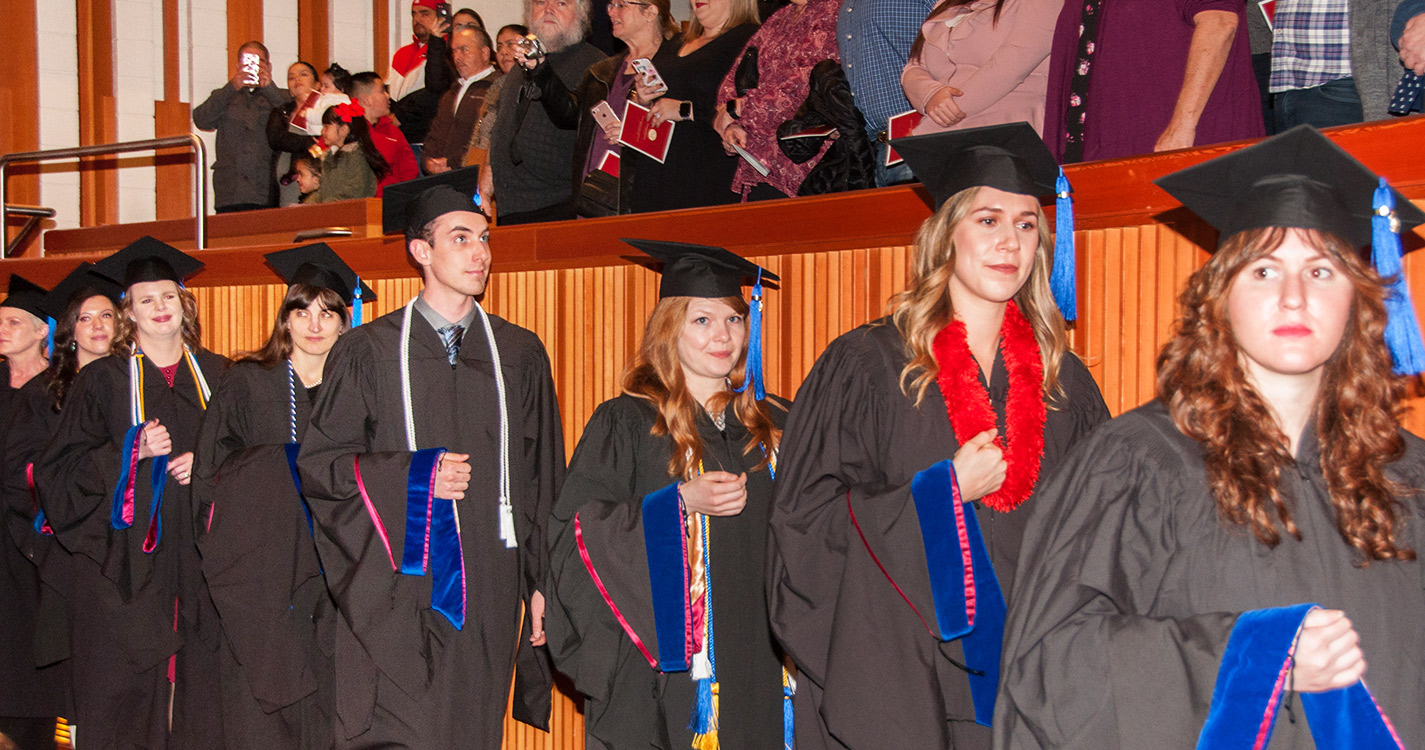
<point x="507" y="516"/>
<point x="136" y="411"/>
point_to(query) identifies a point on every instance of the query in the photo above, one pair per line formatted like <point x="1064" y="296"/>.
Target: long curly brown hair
<point x="1358" y="409"/>
<point x="656" y="376"/>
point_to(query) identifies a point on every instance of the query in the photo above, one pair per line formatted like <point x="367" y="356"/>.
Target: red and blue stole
<point x="433" y="538"/>
<point x="666" y="545"/>
<point x="968" y="602"/>
<point x="1253" y="677"/>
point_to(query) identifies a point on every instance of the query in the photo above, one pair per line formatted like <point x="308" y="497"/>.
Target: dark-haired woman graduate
<point x="114" y="486"/>
<point x="913" y="454"/>
<point x="1172" y="591"/>
<point x="30" y="697"/>
<point x="258" y="555"/>
<point x="659" y="609"/>
<point x="83" y="306"/>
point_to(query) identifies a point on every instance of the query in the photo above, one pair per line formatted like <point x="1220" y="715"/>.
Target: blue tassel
<point x="49" y="336"/>
<point x="788" y="723"/>
<point x="1402" y="330"/>
<point x="754" y="344"/>
<point x="1063" y="279"/>
<point x="356" y="304"/>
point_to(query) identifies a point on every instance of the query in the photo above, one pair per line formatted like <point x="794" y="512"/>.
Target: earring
<point x="74" y="346"/>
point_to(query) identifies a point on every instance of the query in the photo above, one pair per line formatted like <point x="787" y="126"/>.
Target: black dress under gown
<point x="629" y="703"/>
<point x="873" y="675"/>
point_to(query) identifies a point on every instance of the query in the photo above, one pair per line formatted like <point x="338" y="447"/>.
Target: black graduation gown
<point x="405" y="676"/>
<point x="32" y="684"/>
<point x="132" y="610"/>
<point x="261" y="564"/>
<point x="1125" y="605"/>
<point x="629" y="702"/>
<point x="878" y="677"/>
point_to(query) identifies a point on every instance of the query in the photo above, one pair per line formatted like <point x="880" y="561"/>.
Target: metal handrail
<point x="34" y="215"/>
<point x="191" y="140"/>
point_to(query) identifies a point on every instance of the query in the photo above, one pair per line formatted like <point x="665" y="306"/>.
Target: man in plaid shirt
<point x="874" y="37"/>
<point x="1333" y="62"/>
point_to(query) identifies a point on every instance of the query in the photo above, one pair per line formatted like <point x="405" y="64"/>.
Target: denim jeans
<point x="1332" y="103"/>
<point x="896" y="175"/>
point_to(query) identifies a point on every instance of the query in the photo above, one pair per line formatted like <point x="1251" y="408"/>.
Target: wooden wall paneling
<point x="20" y="101"/>
<point x="381" y="36"/>
<point x="174" y="171"/>
<point x="314" y="32"/>
<point x="99" y="178"/>
<point x="245" y="25"/>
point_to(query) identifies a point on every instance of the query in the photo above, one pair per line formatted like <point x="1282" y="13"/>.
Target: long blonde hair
<point x="921" y="310"/>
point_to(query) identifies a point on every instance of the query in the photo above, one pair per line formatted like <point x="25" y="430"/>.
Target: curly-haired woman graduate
<point x="1167" y="590"/>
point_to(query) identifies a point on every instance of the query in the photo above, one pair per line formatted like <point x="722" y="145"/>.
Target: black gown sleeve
<point x="1082" y="668"/>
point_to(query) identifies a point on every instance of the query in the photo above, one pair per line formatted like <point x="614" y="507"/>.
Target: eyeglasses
<point x="619" y="5"/>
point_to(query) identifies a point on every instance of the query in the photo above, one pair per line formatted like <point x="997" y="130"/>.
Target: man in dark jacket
<point x="243" y="178"/>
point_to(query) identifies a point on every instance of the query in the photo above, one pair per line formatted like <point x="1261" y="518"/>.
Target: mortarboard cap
<point x="1296" y="179"/>
<point x="319" y="266"/>
<point x="406" y="207"/>
<point x="1012" y="158"/>
<point x="26" y="295"/>
<point x="700" y="270"/>
<point x="81" y="283"/>
<point x="148" y="259"/>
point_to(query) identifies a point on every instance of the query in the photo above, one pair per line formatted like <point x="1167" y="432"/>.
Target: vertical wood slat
<point x="98" y="177"/>
<point x="20" y="101"/>
<point x="314" y="32"/>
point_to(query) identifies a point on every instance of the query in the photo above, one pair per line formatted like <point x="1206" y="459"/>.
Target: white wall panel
<point x="279" y="32"/>
<point x="59" y="110"/>
<point x="352" y="27"/>
<point x="204" y="55"/>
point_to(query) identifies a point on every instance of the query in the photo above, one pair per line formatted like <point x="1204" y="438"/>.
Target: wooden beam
<point x="244" y="25"/>
<point x="314" y="32"/>
<point x="381" y="37"/>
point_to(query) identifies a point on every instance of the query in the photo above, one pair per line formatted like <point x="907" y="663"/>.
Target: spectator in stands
<point x="984" y="62"/>
<point x="1259" y="37"/>
<point x="351" y="164"/>
<point x="1148" y="76"/>
<point x="793" y="39"/>
<point x="454" y="125"/>
<point x="368" y="89"/>
<point x="505" y="42"/>
<point x="529" y="171"/>
<point x="466" y="18"/>
<point x="307" y="173"/>
<point x="875" y="38"/>
<point x="645" y="28"/>
<point x="295" y="126"/>
<point x="1333" y="62"/>
<point x="479" y="153"/>
<point x="336" y="80"/>
<point x="1407" y="30"/>
<point x="696" y="171"/>
<point x="846" y="158"/>
<point x="238" y="111"/>
<point x="415" y="86"/>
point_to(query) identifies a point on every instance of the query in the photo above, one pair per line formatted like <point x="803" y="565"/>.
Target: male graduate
<point x="433" y="457"/>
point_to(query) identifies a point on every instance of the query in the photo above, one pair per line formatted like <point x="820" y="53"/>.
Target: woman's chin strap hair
<point x="1402" y="330"/>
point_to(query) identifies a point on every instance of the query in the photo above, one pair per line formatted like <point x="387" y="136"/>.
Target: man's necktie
<point x="451" y="336"/>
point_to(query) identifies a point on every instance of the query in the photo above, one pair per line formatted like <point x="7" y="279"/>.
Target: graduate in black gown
<point x="1169" y="575"/>
<point x="696" y="171"/>
<point x="83" y="305"/>
<point x="915" y="447"/>
<point x="113" y="483"/>
<point x="431" y="570"/>
<point x="258" y="555"/>
<point x="661" y="529"/>
<point x="30" y="697"/>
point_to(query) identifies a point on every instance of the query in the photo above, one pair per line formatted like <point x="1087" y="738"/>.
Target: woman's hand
<point x="613" y="130"/>
<point x="1328" y="653"/>
<point x="642" y="92"/>
<point x="664" y="110"/>
<point x="734" y="135"/>
<point x="979" y="466"/>
<point x="715" y="493"/>
<point x="154" y="440"/>
<point x="452" y="476"/>
<point x="942" y="108"/>
<point x="181" y="467"/>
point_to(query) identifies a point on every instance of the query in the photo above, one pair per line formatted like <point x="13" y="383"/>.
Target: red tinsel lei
<point x="968" y="403"/>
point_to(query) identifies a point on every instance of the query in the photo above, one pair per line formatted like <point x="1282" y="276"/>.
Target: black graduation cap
<point x="700" y="270"/>
<point x="83" y="282"/>
<point x="26" y="295"/>
<point x="1012" y="158"/>
<point x="1296" y="179"/>
<point x="406" y="207"/>
<point x="148" y="259"/>
<point x="319" y="266"/>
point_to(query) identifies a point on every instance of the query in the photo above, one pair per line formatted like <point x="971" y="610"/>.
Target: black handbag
<point x="598" y="195"/>
<point x="747" y="76"/>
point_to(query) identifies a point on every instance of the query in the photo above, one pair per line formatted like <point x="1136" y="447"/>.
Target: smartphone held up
<point x="251" y="65"/>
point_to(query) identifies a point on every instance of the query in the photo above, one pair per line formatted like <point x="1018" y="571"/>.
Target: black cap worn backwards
<point x="81" y="284"/>
<point x="1012" y="158"/>
<point x="1296" y="179"/>
<point x="318" y="265"/>
<point x="700" y="270"/>
<point x="406" y="207"/>
<point x="26" y="295"/>
<point x="148" y="259"/>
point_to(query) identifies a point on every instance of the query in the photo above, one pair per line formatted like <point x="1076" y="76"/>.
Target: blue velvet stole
<point x="433" y="538"/>
<point x="946" y="533"/>
<point x="119" y="519"/>
<point x="667" y="576"/>
<point x="1252" y="678"/>
<point x="292" y="450"/>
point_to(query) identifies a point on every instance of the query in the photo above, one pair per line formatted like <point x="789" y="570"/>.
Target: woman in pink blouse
<point x="979" y="63"/>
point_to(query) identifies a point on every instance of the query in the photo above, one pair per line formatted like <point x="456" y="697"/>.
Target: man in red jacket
<point x="370" y="91"/>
